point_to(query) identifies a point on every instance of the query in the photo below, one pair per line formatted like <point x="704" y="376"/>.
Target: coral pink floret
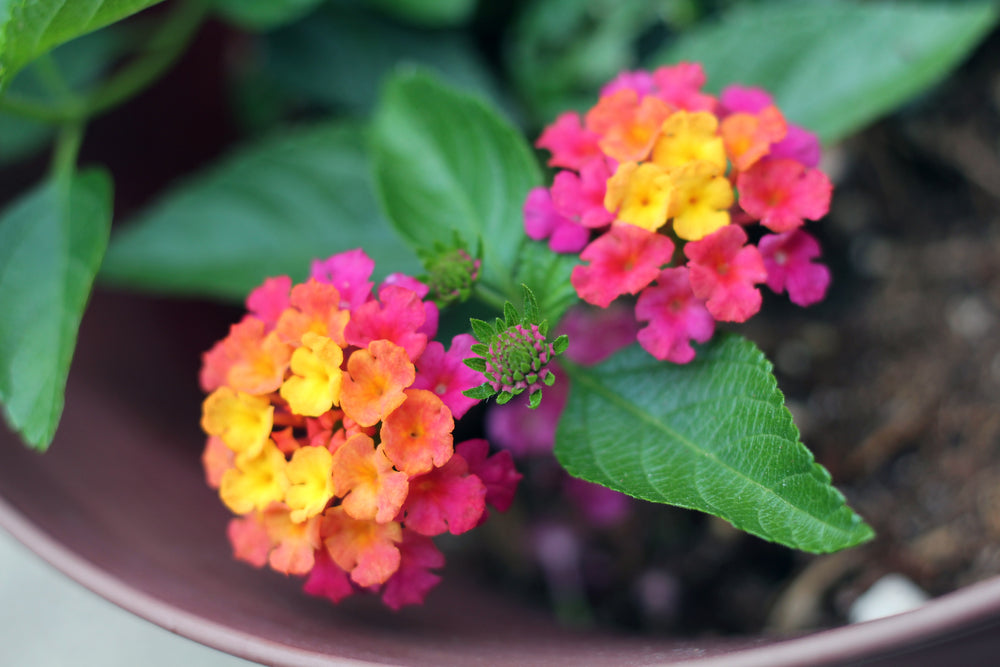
<point x="781" y="193"/>
<point x="622" y="261"/>
<point x="445" y="499"/>
<point x="496" y="472"/>
<point x="413" y="580"/>
<point x="327" y="580"/>
<point x="445" y="373"/>
<point x="349" y="272"/>
<point x="723" y="271"/>
<point x="269" y="300"/>
<point x="398" y="318"/>
<point x="581" y="197"/>
<point x="570" y="143"/>
<point x="675" y="315"/>
<point x="542" y="221"/>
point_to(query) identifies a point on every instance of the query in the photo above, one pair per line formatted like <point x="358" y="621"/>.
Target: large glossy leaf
<point x="29" y="28"/>
<point x="51" y="243"/>
<point x="836" y="66"/>
<point x="712" y="435"/>
<point x="267" y="210"/>
<point x="340" y="55"/>
<point x="263" y="14"/>
<point x="446" y="162"/>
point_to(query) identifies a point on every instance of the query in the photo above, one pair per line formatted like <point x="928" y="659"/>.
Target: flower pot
<point x="119" y="504"/>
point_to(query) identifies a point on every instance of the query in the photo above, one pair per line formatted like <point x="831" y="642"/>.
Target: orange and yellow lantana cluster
<point x="329" y="418"/>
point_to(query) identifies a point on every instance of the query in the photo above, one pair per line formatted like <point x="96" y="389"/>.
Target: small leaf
<point x="560" y="344"/>
<point x="480" y="393"/>
<point x="480" y="348"/>
<point x="712" y="435"/>
<point x="446" y="162"/>
<point x="504" y="397"/>
<point x="477" y="364"/>
<point x="267" y="210"/>
<point x="482" y="330"/>
<point x="531" y="313"/>
<point x="833" y="67"/>
<point x="510" y="314"/>
<point x="535" y="399"/>
<point x="51" y="243"/>
<point x="30" y="28"/>
<point x="263" y="14"/>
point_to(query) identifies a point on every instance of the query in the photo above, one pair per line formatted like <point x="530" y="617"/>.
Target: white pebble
<point x="892" y="594"/>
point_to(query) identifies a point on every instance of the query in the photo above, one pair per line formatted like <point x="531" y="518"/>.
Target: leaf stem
<point x="67" y="149"/>
<point x="490" y="295"/>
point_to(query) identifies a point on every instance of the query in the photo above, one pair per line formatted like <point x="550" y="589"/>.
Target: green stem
<point x="489" y="295"/>
<point x="67" y="149"/>
<point x="162" y="50"/>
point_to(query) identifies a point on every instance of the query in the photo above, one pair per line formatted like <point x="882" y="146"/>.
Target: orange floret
<point x="417" y="435"/>
<point x="375" y="382"/>
<point x="310" y="484"/>
<point x="242" y="421"/>
<point x="248" y="359"/>
<point x="366" y="549"/>
<point x="628" y="126"/>
<point x="295" y="543"/>
<point x="748" y="137"/>
<point x="315" y="307"/>
<point x="255" y="482"/>
<point x="362" y="474"/>
<point x="687" y="137"/>
<point x="314" y="386"/>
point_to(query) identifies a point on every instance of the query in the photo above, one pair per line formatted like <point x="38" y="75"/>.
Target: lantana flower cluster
<point x="329" y="416"/>
<point x="659" y="182"/>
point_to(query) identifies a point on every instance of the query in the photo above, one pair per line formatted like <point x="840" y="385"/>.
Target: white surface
<point x="48" y="620"/>
<point x="892" y="594"/>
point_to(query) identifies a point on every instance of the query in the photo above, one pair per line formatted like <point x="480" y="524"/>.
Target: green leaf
<point x="340" y="55"/>
<point x="833" y="67"/>
<point x="477" y="364"/>
<point x="548" y="275"/>
<point x="269" y="209"/>
<point x="446" y="162"/>
<point x="480" y="393"/>
<point x="30" y="28"/>
<point x="263" y="14"/>
<point x="482" y="330"/>
<point x="712" y="435"/>
<point x="51" y="243"/>
<point x="562" y="51"/>
<point x="428" y="12"/>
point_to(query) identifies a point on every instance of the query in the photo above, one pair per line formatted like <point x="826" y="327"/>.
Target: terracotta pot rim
<point x="938" y="617"/>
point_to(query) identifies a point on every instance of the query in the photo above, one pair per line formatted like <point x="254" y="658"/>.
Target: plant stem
<point x="162" y="50"/>
<point x="67" y="148"/>
<point x="489" y="295"/>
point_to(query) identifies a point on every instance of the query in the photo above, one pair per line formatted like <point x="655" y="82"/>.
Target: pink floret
<point x="680" y="85"/>
<point x="597" y="333"/>
<point x="446" y="374"/>
<point x="571" y="144"/>
<point x="783" y="193"/>
<point x="723" y="271"/>
<point x="327" y="580"/>
<point x="639" y="81"/>
<point x="496" y="472"/>
<point x="413" y="580"/>
<point x="397" y="316"/>
<point x="675" y="315"/>
<point x="622" y="261"/>
<point x="744" y="99"/>
<point x="268" y="301"/>
<point x="581" y="197"/>
<point x="349" y="272"/>
<point x="799" y="145"/>
<point x="542" y="221"/>
<point x="788" y="259"/>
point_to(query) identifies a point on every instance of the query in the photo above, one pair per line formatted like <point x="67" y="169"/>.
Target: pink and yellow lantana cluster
<point x="330" y="414"/>
<point x="648" y="178"/>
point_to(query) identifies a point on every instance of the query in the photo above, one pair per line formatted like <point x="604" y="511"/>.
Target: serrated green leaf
<point x="833" y="67"/>
<point x="340" y="55"/>
<point x="482" y="330"/>
<point x="510" y="314"/>
<point x="480" y="393"/>
<point x="51" y="243"/>
<point x="263" y="14"/>
<point x="30" y="28"/>
<point x="446" y="162"/>
<point x="712" y="435"/>
<point x="560" y="344"/>
<point x="480" y="348"/>
<point x="269" y="209"/>
<point x="477" y="364"/>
